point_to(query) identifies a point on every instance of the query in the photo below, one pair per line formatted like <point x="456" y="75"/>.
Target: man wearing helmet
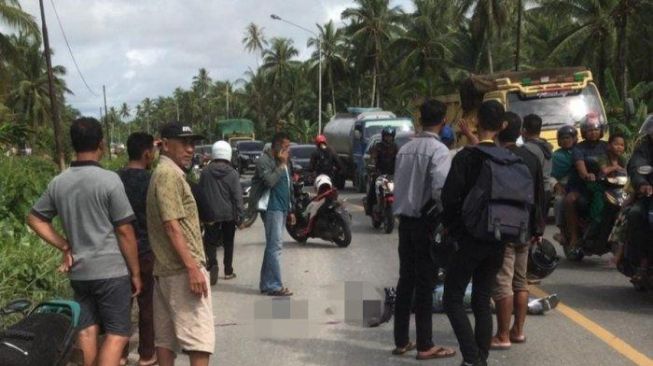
<point x="383" y="154"/>
<point x="585" y="155"/>
<point x="562" y="169"/>
<point x="324" y="160"/>
<point x="639" y="226"/>
<point x="220" y="185"/>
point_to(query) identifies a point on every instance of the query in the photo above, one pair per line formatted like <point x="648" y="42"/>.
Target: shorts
<point x="106" y="303"/>
<point x="512" y="275"/>
<point x="183" y="321"/>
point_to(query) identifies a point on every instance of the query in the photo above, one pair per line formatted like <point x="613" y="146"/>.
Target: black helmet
<point x="542" y="259"/>
<point x="388" y="130"/>
<point x="647" y="126"/>
<point x="567" y="130"/>
<point x="591" y="120"/>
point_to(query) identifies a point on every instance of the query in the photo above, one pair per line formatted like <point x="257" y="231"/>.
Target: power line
<point x="71" y="51"/>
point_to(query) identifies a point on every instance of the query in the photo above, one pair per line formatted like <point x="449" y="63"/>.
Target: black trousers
<point x="220" y="233"/>
<point x="639" y="229"/>
<point x="416" y="276"/>
<point x="480" y="262"/>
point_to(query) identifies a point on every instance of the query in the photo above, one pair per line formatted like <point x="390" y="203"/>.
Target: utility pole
<point x="518" y="50"/>
<point x="227" y="86"/>
<point x="54" y="104"/>
<point x="106" y="120"/>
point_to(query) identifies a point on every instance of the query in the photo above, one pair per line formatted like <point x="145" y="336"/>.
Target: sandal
<point x="521" y="339"/>
<point x="401" y="350"/>
<point x="281" y="292"/>
<point x="440" y="352"/>
<point x="499" y="346"/>
<point x="151" y="362"/>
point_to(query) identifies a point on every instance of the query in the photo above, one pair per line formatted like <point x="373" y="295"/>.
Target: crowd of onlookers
<point x="137" y="234"/>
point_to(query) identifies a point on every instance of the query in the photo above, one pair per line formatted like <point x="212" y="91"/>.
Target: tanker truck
<point x="348" y="134"/>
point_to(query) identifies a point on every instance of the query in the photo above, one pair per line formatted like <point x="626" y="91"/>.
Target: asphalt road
<point x="601" y="320"/>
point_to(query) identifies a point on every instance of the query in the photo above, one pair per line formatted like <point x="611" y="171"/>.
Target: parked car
<point x="300" y="156"/>
<point x="248" y="153"/>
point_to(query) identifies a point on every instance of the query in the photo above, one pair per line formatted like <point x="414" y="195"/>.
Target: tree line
<point x="382" y="56"/>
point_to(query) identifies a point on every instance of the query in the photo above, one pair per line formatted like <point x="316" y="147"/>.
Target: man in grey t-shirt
<point x="99" y="248"/>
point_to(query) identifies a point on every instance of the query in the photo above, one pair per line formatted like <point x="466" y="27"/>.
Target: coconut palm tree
<point x="278" y="59"/>
<point x="13" y="16"/>
<point x="425" y="49"/>
<point x="332" y="40"/>
<point x="124" y="111"/>
<point x="373" y="24"/>
<point x="30" y="95"/>
<point x="489" y="19"/>
<point x="254" y="41"/>
<point x="591" y="36"/>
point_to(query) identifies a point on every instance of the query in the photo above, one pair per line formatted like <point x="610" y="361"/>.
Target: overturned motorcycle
<point x="322" y="216"/>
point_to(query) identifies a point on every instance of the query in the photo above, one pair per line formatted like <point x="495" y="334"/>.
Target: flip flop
<point x="498" y="346"/>
<point x="440" y="352"/>
<point x="281" y="292"/>
<point x="151" y="362"/>
<point x="401" y="350"/>
<point x="521" y="339"/>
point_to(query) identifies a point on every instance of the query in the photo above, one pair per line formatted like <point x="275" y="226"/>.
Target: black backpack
<point x="497" y="208"/>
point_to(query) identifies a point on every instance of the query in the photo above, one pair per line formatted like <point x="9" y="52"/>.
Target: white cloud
<point x="146" y="48"/>
<point x="144" y="57"/>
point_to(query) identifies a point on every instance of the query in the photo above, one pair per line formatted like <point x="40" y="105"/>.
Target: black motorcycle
<point x="250" y="214"/>
<point x="631" y="258"/>
<point x="594" y="238"/>
<point x="332" y="222"/>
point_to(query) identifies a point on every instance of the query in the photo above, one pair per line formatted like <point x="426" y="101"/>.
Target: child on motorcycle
<point x="562" y="169"/>
<point x="610" y="164"/>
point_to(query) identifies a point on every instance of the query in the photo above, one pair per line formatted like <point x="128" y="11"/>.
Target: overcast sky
<point x="146" y="48"/>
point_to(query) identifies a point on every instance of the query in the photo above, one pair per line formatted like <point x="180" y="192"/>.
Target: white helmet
<point x="322" y="179"/>
<point x="221" y="150"/>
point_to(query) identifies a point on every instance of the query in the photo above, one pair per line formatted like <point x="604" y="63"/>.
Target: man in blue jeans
<point x="272" y="193"/>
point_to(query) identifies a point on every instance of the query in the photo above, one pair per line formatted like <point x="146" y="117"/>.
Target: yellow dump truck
<point x="561" y="96"/>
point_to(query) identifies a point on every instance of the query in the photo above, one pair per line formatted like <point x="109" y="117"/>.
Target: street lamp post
<point x="319" y="52"/>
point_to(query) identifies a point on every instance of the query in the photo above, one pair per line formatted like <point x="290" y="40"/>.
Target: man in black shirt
<point x="136" y="179"/>
<point x="511" y="289"/>
<point x="474" y="258"/>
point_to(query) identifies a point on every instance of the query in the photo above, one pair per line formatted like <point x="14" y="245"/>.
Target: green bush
<point x="28" y="270"/>
<point x="27" y="264"/>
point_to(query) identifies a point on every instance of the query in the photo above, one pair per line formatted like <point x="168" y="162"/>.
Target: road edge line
<point x="603" y="334"/>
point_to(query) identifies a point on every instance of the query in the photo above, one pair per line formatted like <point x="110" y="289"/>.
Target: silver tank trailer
<point x="340" y="129"/>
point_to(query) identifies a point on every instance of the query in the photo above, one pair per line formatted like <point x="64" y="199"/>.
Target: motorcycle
<point x="250" y="215"/>
<point x="332" y="222"/>
<point x="630" y="260"/>
<point x="594" y="238"/>
<point x="381" y="212"/>
<point x="43" y="336"/>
